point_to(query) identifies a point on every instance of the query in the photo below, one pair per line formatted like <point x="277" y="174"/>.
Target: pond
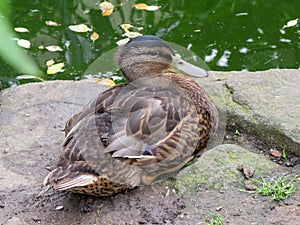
<point x="227" y="35"/>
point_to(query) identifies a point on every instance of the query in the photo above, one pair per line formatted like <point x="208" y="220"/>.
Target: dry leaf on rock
<point x="106" y="82"/>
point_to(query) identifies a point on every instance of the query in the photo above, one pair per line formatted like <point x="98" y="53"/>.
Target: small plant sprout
<point x="280" y="188"/>
<point x="284" y="155"/>
<point x="237" y="132"/>
<point x="213" y="219"/>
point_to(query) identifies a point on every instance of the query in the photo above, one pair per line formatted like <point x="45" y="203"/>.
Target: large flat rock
<point x="264" y="103"/>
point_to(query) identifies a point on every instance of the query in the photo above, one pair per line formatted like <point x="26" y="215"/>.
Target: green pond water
<point x="227" y="35"/>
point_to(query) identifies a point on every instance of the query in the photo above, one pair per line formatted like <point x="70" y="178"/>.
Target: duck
<point x="139" y="132"/>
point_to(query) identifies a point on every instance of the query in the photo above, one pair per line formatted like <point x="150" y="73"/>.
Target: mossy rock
<point x="218" y="169"/>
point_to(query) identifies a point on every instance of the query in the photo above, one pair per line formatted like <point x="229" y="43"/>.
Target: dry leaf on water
<point x="291" y="23"/>
<point x="54" y="48"/>
<point x="52" y="23"/>
<point x="80" y="28"/>
<point x="21" y="29"/>
<point x="94" y="36"/>
<point x="107" y="8"/>
<point x="50" y="62"/>
<point x="24" y="43"/>
<point x="143" y="6"/>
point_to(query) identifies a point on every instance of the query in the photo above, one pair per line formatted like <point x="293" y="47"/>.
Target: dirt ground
<point x="156" y="204"/>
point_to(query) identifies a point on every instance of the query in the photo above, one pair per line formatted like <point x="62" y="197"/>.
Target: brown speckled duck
<point x="139" y="132"/>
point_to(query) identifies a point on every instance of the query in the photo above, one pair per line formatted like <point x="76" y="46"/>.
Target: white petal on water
<point x="80" y="28"/>
<point x="21" y="29"/>
<point x="243" y="50"/>
<point x="209" y="58"/>
<point x="223" y="61"/>
<point x="24" y="43"/>
<point x="54" y="48"/>
<point x="285" y="40"/>
<point x="152" y="8"/>
<point x="242" y="14"/>
<point x="291" y="23"/>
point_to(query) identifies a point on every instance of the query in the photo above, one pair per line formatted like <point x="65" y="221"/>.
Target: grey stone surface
<point x="265" y="103"/>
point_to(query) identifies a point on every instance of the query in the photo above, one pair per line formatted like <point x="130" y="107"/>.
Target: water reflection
<point x="228" y="35"/>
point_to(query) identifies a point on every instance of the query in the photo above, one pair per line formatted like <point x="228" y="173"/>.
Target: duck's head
<point x="149" y="56"/>
<point x="144" y="56"/>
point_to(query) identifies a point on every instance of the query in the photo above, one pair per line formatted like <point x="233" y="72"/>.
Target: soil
<point x="155" y="204"/>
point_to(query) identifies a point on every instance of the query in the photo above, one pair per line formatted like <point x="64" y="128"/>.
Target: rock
<point x="264" y="103"/>
<point x="218" y="169"/>
<point x="32" y="118"/>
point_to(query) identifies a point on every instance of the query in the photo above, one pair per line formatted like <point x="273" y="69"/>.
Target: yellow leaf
<point x="52" y="23"/>
<point x="107" y="8"/>
<point x="24" y="43"/>
<point x="80" y="28"/>
<point x="140" y="6"/>
<point x="41" y="47"/>
<point x="55" y="68"/>
<point x="126" y="27"/>
<point x="94" y="36"/>
<point x="54" y="48"/>
<point x="21" y="29"/>
<point x="106" y="82"/>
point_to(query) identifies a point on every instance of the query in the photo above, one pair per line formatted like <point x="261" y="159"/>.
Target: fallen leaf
<point x="107" y="8"/>
<point x="126" y="27"/>
<point x="80" y="28"/>
<point x="55" y="68"/>
<point x="140" y="6"/>
<point x="54" y="48"/>
<point x="291" y="23"/>
<point x="94" y="36"/>
<point x="24" y="43"/>
<point x="247" y="172"/>
<point x="21" y="29"/>
<point x="152" y="8"/>
<point x="123" y="41"/>
<point x="23" y="77"/>
<point x="106" y="82"/>
<point x="132" y="34"/>
<point x="143" y="6"/>
<point x="275" y="153"/>
<point x="249" y="186"/>
<point x="52" y="23"/>
<point x="50" y="62"/>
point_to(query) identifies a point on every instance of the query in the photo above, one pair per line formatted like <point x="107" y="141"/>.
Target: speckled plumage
<point x="135" y="133"/>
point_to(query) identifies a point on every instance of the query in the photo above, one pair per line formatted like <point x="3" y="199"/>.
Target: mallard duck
<point x="139" y="132"/>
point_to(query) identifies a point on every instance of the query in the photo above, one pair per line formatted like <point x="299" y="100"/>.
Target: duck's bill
<point x="179" y="65"/>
